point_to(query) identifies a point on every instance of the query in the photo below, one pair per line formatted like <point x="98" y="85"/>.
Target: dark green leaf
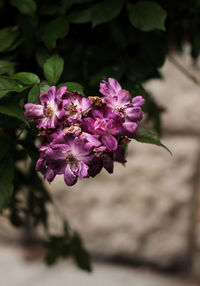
<point x="56" y="29"/>
<point x="13" y="110"/>
<point x="42" y="55"/>
<point x="8" y="36"/>
<point x="99" y="13"/>
<point x="145" y="136"/>
<point x="147" y="16"/>
<point x="6" y="66"/>
<point x="44" y="87"/>
<point x="53" y="69"/>
<point x="73" y="86"/>
<point x="25" y="6"/>
<point x="6" y="183"/>
<point x="34" y="94"/>
<point x="106" y="11"/>
<point x="80" y="254"/>
<point x="9" y="85"/>
<point x="27" y="78"/>
<point x="135" y="88"/>
<point x="4" y="145"/>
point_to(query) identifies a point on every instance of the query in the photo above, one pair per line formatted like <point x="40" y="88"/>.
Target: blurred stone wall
<point x="147" y="211"/>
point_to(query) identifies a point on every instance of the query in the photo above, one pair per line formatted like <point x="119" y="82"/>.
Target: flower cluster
<point x="82" y="135"/>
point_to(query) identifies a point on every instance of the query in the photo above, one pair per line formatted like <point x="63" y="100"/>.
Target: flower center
<point x="49" y="111"/>
<point x="121" y="110"/>
<point x="97" y="102"/>
<point x="72" y="109"/>
<point x="73" y="129"/>
<point x="70" y="159"/>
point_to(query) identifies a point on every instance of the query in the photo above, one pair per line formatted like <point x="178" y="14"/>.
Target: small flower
<point x="75" y="105"/>
<point x="69" y="156"/>
<point x="50" y="110"/>
<point x="110" y="88"/>
<point x="106" y="125"/>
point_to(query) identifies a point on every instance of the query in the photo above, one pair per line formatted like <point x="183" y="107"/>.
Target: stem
<point x="183" y="70"/>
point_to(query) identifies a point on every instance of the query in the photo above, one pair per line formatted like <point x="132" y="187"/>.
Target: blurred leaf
<point x="112" y="70"/>
<point x="34" y="94"/>
<point x="9" y="85"/>
<point x="145" y="136"/>
<point x="30" y="148"/>
<point x="80" y="254"/>
<point x="53" y="69"/>
<point x="6" y="66"/>
<point x="106" y="11"/>
<point x="25" y="6"/>
<point x="27" y="78"/>
<point x="10" y="109"/>
<point x="135" y="88"/>
<point x="99" y="13"/>
<point x="118" y="34"/>
<point x="56" y="29"/>
<point x="6" y="183"/>
<point x="44" y="87"/>
<point x="73" y="86"/>
<point x="4" y="145"/>
<point x="147" y="16"/>
<point x="8" y="36"/>
<point x="42" y="55"/>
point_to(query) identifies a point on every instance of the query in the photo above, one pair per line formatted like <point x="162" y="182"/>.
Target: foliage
<point x="49" y="42"/>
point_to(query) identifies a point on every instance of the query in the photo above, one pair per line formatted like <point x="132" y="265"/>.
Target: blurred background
<point x="142" y="223"/>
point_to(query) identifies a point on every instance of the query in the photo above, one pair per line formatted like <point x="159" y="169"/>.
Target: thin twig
<point x="183" y="70"/>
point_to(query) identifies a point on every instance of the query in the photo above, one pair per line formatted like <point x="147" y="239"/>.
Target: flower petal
<point x="85" y="104"/>
<point x="110" y="88"/>
<point x="69" y="177"/>
<point x="110" y="142"/>
<point x="60" y="92"/>
<point x="49" y="174"/>
<point x="134" y="113"/>
<point x="108" y="163"/>
<point x="138" y="101"/>
<point x="83" y="170"/>
<point x="124" y="97"/>
<point x="33" y="111"/>
<point x="130" y="128"/>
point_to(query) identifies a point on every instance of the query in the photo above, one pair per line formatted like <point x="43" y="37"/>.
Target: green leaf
<point x="9" y="85"/>
<point x="145" y="136"/>
<point x="8" y="37"/>
<point x="13" y="110"/>
<point x="42" y="55"/>
<point x="99" y="13"/>
<point x="53" y="69"/>
<point x="44" y="87"/>
<point x="73" y="86"/>
<point x="6" y="66"/>
<point x="6" y="183"/>
<point x="4" y="145"/>
<point x="106" y="11"/>
<point x="27" y="78"/>
<point x="56" y="29"/>
<point x="34" y="94"/>
<point x="25" y="6"/>
<point x="147" y="16"/>
<point x="80" y="254"/>
<point x="136" y="88"/>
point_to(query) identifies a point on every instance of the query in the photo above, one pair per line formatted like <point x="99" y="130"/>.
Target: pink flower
<point x="83" y="135"/>
<point x="69" y="156"/>
<point x="50" y="111"/>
